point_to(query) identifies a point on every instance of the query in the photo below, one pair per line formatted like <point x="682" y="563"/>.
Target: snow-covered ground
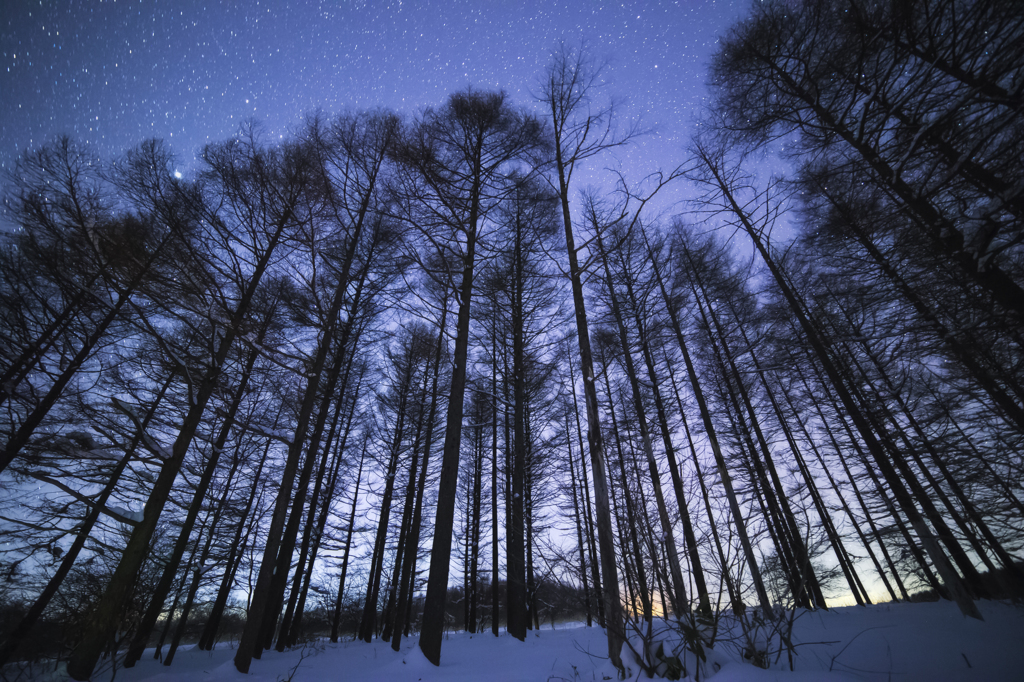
<point x="898" y="642"/>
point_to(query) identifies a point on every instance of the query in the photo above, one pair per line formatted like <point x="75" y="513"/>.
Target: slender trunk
<point x="209" y="634"/>
<point x="950" y="578"/>
<point x="475" y="545"/>
<point x="280" y="540"/>
<point x="1014" y="580"/>
<point x="588" y="512"/>
<point x="408" y="578"/>
<point x="198" y="571"/>
<point x="163" y="588"/>
<point x="24" y="627"/>
<point x="373" y="582"/>
<point x="158" y="649"/>
<point x="609" y="571"/>
<point x="696" y="568"/>
<point x="531" y="586"/>
<point x="624" y="555"/>
<point x="517" y="619"/>
<point x="336" y="621"/>
<point x="267" y="601"/>
<point x="972" y="579"/>
<point x="579" y="525"/>
<point x="804" y="578"/>
<point x="709" y="428"/>
<point x="868" y="516"/>
<point x="631" y="521"/>
<point x="734" y="595"/>
<point x="392" y="612"/>
<point x="325" y="511"/>
<point x="642" y="513"/>
<point x="444" y="519"/>
<point x="333" y="377"/>
<point x="495" y="591"/>
<point x="531" y="583"/>
<point x="678" y="599"/>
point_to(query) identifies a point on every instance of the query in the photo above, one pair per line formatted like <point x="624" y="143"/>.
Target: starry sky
<point x="112" y="73"/>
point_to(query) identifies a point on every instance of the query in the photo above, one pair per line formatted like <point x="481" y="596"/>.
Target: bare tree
<point x="458" y="157"/>
<point x="261" y="189"/>
<point x="578" y="134"/>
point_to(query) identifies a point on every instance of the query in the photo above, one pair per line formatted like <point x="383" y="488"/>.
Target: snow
<point x="107" y="454"/>
<point x="162" y="451"/>
<point x="282" y="435"/>
<point x="133" y="516"/>
<point x="905" y="642"/>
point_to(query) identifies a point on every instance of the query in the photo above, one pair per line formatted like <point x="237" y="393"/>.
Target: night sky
<point x="114" y="73"/>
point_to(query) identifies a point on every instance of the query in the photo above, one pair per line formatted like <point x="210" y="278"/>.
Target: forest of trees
<point x="395" y="375"/>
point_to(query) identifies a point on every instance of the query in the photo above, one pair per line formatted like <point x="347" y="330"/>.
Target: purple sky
<point x="114" y="73"/>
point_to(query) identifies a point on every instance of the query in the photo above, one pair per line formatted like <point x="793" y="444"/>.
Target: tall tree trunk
<point x="1013" y="581"/>
<point x="325" y="510"/>
<point x="696" y="568"/>
<point x="532" y="621"/>
<point x="474" y="580"/>
<point x="336" y="621"/>
<point x="495" y="590"/>
<point x="209" y="634"/>
<point x="609" y="572"/>
<point x="334" y="374"/>
<point x="790" y="538"/>
<point x="577" y="135"/>
<point x="199" y="569"/>
<point x="373" y="579"/>
<point x="270" y="598"/>
<point x="515" y="548"/>
<point x="868" y="516"/>
<point x="734" y="594"/>
<point x="107" y="614"/>
<point x="24" y="627"/>
<point x="280" y="540"/>
<point x="392" y="613"/>
<point x="408" y="578"/>
<point x="588" y="513"/>
<point x="579" y="524"/>
<point x="163" y="588"/>
<point x="631" y="522"/>
<point x="950" y="578"/>
<point x="444" y="519"/>
<point x="624" y="555"/>
<point x="678" y="599"/>
<point x="709" y="428"/>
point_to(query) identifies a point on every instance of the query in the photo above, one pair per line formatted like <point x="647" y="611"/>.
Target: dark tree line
<point x="288" y="393"/>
